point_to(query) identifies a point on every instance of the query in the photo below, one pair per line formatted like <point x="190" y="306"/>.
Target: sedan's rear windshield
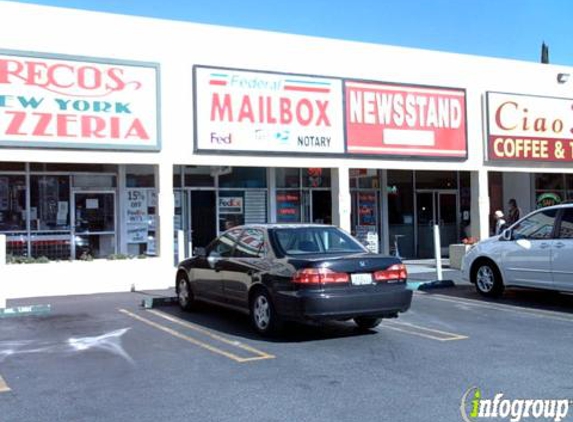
<point x="314" y="240"/>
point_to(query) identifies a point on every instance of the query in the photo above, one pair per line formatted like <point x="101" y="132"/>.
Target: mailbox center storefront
<point x="208" y="200"/>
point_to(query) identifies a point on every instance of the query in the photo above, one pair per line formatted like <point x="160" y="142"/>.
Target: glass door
<point x="436" y="207"/>
<point x="94" y="225"/>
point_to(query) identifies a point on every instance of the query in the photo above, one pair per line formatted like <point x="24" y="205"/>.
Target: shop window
<point x="140" y="213"/>
<point x="73" y="168"/>
<point x="287" y="178"/>
<point x="13" y="214"/>
<point x="549" y="181"/>
<point x="231" y="209"/>
<point x="12" y="167"/>
<point x="288" y="206"/>
<point x="436" y="180"/>
<point x="244" y="177"/>
<point x="49" y="203"/>
<point x="94" y="181"/>
<point x="197" y="177"/>
<point x="316" y="178"/>
<point x="400" y="194"/>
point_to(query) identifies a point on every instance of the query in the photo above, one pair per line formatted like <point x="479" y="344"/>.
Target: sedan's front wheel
<point x="487" y="279"/>
<point x="263" y="315"/>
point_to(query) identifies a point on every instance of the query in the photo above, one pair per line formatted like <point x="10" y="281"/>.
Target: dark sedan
<point x="303" y="272"/>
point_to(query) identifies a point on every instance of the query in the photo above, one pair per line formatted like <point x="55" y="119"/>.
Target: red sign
<point x="399" y="120"/>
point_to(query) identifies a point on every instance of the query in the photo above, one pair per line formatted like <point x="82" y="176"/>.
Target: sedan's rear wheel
<point x="263" y="315"/>
<point x="367" y="323"/>
<point x="487" y="279"/>
<point x="185" y="295"/>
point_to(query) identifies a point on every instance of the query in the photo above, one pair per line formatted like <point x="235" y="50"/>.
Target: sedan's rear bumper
<point x="374" y="301"/>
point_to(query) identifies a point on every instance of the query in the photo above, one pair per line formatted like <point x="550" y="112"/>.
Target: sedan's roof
<point x="284" y="226"/>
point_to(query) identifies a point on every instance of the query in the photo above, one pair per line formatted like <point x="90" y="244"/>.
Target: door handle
<point x="544" y="246"/>
<point x="560" y="245"/>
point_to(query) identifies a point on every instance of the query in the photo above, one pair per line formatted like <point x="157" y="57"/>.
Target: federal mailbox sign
<point x="529" y="128"/>
<point x="249" y="111"/>
<point x="403" y="120"/>
<point x="66" y="102"/>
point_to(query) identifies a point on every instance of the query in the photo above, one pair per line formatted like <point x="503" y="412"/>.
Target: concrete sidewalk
<point x="425" y="269"/>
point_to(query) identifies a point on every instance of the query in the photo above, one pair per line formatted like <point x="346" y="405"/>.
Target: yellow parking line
<point x="417" y="330"/>
<point x="199" y="342"/>
<point x="3" y="386"/>
<point x="540" y="313"/>
<point x="195" y="327"/>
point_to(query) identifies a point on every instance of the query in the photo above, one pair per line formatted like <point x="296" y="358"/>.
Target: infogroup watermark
<point x="474" y="407"/>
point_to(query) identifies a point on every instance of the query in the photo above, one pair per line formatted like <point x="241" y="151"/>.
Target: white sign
<point x="231" y="205"/>
<point x="54" y="102"/>
<point x="137" y="233"/>
<point x="136" y="207"/>
<point x="271" y="112"/>
<point x="529" y="128"/>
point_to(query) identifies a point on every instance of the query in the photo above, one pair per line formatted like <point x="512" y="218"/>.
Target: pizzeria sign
<point x="82" y="103"/>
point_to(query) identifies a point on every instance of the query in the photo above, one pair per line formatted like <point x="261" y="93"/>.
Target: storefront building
<point x="119" y="155"/>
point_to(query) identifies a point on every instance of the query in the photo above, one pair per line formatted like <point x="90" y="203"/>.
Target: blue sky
<point x="497" y="28"/>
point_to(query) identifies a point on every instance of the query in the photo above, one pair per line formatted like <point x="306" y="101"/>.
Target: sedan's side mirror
<point x="198" y="251"/>
<point x="506" y="234"/>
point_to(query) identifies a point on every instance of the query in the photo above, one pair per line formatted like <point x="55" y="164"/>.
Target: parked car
<point x="535" y="252"/>
<point x="310" y="272"/>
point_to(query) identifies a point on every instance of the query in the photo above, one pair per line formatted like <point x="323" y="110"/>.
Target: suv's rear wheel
<point x="185" y="295"/>
<point x="487" y="279"/>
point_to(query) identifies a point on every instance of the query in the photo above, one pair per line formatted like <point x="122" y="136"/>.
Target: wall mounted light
<point x="562" y="77"/>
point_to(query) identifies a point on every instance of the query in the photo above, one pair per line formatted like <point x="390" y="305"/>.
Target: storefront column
<point x="165" y="213"/>
<point x="479" y="204"/>
<point x="384" y="224"/>
<point x="341" y="198"/>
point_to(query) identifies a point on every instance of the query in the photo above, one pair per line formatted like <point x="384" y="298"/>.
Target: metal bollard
<point x="180" y="245"/>
<point x="2" y="264"/>
<point x="438" y="252"/>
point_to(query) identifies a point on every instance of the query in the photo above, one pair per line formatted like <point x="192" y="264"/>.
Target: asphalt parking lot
<point x="105" y="358"/>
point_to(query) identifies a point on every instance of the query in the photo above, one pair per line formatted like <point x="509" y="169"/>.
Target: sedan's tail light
<point x="319" y="276"/>
<point x="394" y="272"/>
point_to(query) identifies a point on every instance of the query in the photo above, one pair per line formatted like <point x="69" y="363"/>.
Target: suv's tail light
<point x="394" y="272"/>
<point x="319" y="276"/>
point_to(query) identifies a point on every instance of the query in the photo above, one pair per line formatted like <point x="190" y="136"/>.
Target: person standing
<point x="514" y="212"/>
<point x="500" y="222"/>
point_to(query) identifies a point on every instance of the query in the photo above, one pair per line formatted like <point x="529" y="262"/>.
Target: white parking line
<point x="3" y="386"/>
<point x="540" y="313"/>
<point x="426" y="332"/>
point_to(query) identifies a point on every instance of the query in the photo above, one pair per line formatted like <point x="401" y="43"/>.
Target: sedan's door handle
<point x="560" y="245"/>
<point x="544" y="245"/>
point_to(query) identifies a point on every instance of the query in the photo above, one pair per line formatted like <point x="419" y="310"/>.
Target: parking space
<point x="116" y="361"/>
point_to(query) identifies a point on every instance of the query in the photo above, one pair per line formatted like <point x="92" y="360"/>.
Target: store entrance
<point x="321" y="207"/>
<point x="203" y="217"/>
<point x="94" y="225"/>
<point x="436" y="207"/>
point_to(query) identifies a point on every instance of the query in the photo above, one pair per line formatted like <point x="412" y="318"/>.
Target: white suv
<point x="536" y="252"/>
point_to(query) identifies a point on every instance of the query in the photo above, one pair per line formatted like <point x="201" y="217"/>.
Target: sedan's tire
<point x="487" y="278"/>
<point x="367" y="323"/>
<point x="263" y="314"/>
<point x="185" y="295"/>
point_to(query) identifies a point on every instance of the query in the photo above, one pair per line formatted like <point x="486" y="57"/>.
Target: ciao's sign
<point x="68" y="102"/>
<point x="529" y="128"/>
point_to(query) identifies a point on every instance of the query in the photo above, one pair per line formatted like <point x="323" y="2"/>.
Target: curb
<point x="430" y="285"/>
<point x="152" y="302"/>
<point x="25" y="311"/>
